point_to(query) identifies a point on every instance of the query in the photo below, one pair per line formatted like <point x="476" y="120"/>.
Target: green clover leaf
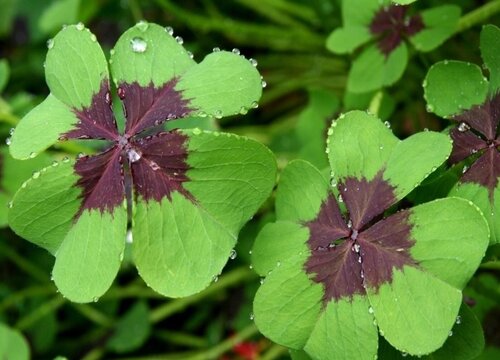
<point x="459" y="91"/>
<point x="335" y="280"/>
<point x="186" y="193"/>
<point x="386" y="26"/>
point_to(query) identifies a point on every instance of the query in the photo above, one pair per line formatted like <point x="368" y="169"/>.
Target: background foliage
<point x="306" y="88"/>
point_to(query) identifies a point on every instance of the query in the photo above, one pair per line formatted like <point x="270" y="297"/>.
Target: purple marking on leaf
<point x="328" y="226"/>
<point x="347" y="258"/>
<point x="485" y="171"/>
<point x="147" y="106"/>
<point x="101" y="178"/>
<point x="483" y="118"/>
<point x="161" y="168"/>
<point x="365" y="200"/>
<point x="96" y="121"/>
<point x="392" y="25"/>
<point x="477" y="132"/>
<point x="385" y="246"/>
<point x="465" y="143"/>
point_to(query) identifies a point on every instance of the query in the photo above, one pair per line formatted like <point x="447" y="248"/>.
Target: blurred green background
<point x="305" y="91"/>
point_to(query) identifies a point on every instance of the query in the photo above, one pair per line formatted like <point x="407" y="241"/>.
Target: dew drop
<point x="80" y="155"/>
<point x="463" y="127"/>
<point x="93" y="38"/>
<point x="196" y="131"/>
<point x="464" y="170"/>
<point x="190" y="54"/>
<point x="179" y="40"/>
<point x="55" y="163"/>
<point x="253" y="62"/>
<point x="121" y="93"/>
<point x="458" y="320"/>
<point x="32" y="154"/>
<point x="404" y="354"/>
<point x="370" y="310"/>
<point x="250" y="266"/>
<point x="254" y="105"/>
<point x="233" y="254"/>
<point x="429" y="108"/>
<point x="215" y="278"/>
<point x="8" y="141"/>
<point x="65" y="159"/>
<point x="349" y="224"/>
<point x="133" y="155"/>
<point x="243" y="110"/>
<point x="450" y="333"/>
<point x="216" y="49"/>
<point x="356" y="247"/>
<point x="263" y="84"/>
<point x="95" y="299"/>
<point x="218" y="114"/>
<point x="278" y="264"/>
<point x="11" y="131"/>
<point x="250" y="252"/>
<point x="340" y="199"/>
<point x="333" y="182"/>
<point x="50" y="43"/>
<point x="262" y="280"/>
<point x="36" y="174"/>
<point x="252" y="316"/>
<point x="129" y="238"/>
<point x="236" y="51"/>
<point x="169" y="30"/>
<point x="10" y="204"/>
<point x="80" y="26"/>
<point x="446" y="62"/>
<point x="142" y="25"/>
<point x="387" y="124"/>
<point x="138" y="45"/>
<point x="154" y="166"/>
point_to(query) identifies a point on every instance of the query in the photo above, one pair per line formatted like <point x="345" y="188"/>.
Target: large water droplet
<point x="138" y="45"/>
<point x="179" y="40"/>
<point x="236" y="51"/>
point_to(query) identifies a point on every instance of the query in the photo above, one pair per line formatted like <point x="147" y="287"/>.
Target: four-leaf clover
<point x="185" y="194"/>
<point x="388" y="26"/>
<point x="335" y="278"/>
<point x="459" y="91"/>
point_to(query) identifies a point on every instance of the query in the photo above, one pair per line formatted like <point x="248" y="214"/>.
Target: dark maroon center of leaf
<point x="391" y="25"/>
<point x="157" y="163"/>
<point x="359" y="251"/>
<point x="477" y="134"/>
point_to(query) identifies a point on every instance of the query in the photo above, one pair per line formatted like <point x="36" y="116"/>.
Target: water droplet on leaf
<point x="32" y="154"/>
<point x="463" y="127"/>
<point x="36" y="175"/>
<point x="216" y="49"/>
<point x="169" y="30"/>
<point x="252" y="316"/>
<point x="138" y="45"/>
<point x="218" y="114"/>
<point x="387" y="124"/>
<point x="340" y="199"/>
<point x="236" y="51"/>
<point x="370" y="310"/>
<point x="233" y="254"/>
<point x="133" y="155"/>
<point x="253" y="62"/>
<point x="179" y="40"/>
<point x="8" y="141"/>
<point x="458" y="320"/>
<point x="142" y="25"/>
<point x="50" y="43"/>
<point x="10" y="204"/>
<point x="65" y="159"/>
<point x="263" y="83"/>
<point x="196" y="131"/>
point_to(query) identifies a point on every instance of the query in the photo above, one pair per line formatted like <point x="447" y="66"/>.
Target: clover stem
<point x="478" y="16"/>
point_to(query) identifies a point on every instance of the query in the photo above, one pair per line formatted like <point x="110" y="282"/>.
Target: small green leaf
<point x="287" y="305"/>
<point x="437" y="233"/>
<point x="36" y="202"/>
<point x="347" y="39"/>
<point x="444" y="97"/>
<point x="411" y="319"/>
<point x="302" y="183"/>
<point x="132" y="330"/>
<point x="440" y="23"/>
<point x="13" y="346"/>
<point x="147" y="53"/>
<point x="90" y="255"/>
<point x="346" y="319"/>
<point x="75" y="67"/>
<point x="490" y="36"/>
<point x="223" y="84"/>
<point x="372" y="70"/>
<point x="48" y="121"/>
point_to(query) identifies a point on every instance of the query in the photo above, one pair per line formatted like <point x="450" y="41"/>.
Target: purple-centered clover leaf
<point x="335" y="280"/>
<point x="185" y="192"/>
<point x="387" y="28"/>
<point x="459" y="92"/>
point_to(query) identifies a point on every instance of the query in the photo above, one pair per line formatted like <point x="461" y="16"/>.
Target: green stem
<point x="93" y="315"/>
<point x="42" y="310"/>
<point x="180" y="338"/>
<point x="274" y="352"/>
<point x="23" y="264"/>
<point x="30" y="292"/>
<point x="478" y="16"/>
<point x="232" y="278"/>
